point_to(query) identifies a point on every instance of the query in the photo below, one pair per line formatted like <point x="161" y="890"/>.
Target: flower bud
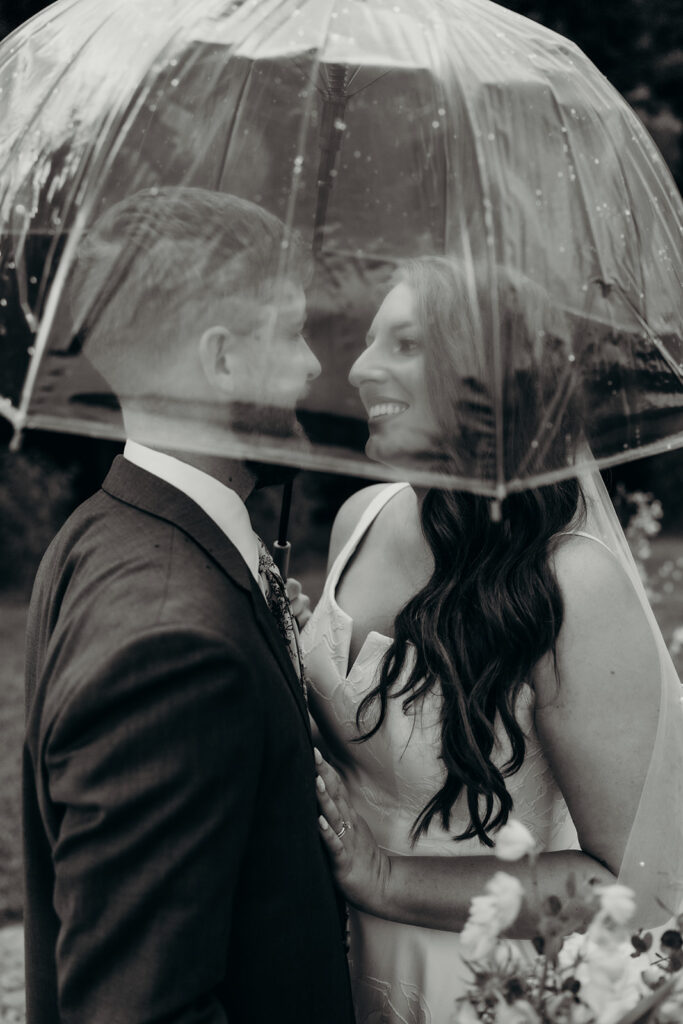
<point x="618" y="901"/>
<point x="513" y="841"/>
<point x="507" y="893"/>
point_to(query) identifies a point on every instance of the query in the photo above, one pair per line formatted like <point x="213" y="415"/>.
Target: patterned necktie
<point x="273" y="587"/>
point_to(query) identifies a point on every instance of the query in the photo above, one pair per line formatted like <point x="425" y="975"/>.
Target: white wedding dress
<point x="402" y="974"/>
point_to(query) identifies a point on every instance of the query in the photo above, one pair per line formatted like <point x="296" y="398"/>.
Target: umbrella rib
<point x="480" y="162"/>
<point x="367" y="85"/>
<point x="228" y="138"/>
<point x="581" y="191"/>
<point x="441" y="104"/>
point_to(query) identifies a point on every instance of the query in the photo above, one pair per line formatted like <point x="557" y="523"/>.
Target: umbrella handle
<point x="281" y="557"/>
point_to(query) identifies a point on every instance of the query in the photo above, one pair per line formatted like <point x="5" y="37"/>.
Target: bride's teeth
<point x="386" y="409"/>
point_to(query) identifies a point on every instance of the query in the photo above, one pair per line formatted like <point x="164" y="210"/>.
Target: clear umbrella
<point x="380" y="132"/>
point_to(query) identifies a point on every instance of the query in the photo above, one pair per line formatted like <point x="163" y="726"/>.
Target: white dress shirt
<point x="220" y="503"/>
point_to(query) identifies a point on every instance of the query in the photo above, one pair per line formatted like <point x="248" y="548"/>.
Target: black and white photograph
<point x="341" y="512"/>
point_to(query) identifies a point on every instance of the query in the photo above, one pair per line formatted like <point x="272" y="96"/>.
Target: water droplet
<point x="441" y="111"/>
<point x="357" y="154"/>
<point x="3" y="302"/>
<point x="572" y="357"/>
<point x="339" y="125"/>
<point x="175" y="82"/>
<point x="436" y="124"/>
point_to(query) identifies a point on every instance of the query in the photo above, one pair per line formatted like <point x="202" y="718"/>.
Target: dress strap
<point x="362" y="526"/>
<point x="588" y="536"/>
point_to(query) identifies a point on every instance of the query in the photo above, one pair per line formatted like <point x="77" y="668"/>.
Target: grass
<point x="665" y="571"/>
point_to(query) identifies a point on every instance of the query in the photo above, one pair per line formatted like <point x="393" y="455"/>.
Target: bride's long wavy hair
<point x="492" y="607"/>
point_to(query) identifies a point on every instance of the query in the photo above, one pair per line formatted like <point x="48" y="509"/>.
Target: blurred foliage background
<point x="638" y="45"/>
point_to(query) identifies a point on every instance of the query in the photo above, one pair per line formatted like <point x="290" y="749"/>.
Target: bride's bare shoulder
<point x="348" y="516"/>
<point x="583" y="563"/>
<point x="603" y="611"/>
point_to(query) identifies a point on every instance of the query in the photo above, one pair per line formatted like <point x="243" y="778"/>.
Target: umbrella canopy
<point x="380" y="132"/>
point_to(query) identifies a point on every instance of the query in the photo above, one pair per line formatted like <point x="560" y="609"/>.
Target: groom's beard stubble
<point x="271" y="422"/>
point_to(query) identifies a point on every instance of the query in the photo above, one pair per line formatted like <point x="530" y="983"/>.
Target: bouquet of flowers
<point x="605" y="974"/>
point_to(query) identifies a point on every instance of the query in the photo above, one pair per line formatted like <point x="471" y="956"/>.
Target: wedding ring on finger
<point x="343" y="826"/>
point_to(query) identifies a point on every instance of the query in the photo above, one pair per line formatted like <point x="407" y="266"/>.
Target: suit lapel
<point x="135" y="486"/>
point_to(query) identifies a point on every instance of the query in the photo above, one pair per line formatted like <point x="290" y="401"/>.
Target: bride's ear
<point x="216" y="355"/>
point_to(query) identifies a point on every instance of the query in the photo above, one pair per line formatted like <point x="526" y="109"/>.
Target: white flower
<point x="490" y="914"/>
<point x="519" y="1012"/>
<point x="513" y="841"/>
<point x="610" y="977"/>
<point x="507" y="893"/>
<point x="580" y="1014"/>
<point x="571" y="952"/>
<point x="465" y="1013"/>
<point x="477" y="942"/>
<point x="653" y="975"/>
<point x="670" y="1012"/>
<point x="618" y="901"/>
<point x="480" y="934"/>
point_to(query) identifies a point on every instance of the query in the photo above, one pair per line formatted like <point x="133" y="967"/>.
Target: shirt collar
<point x="220" y="503"/>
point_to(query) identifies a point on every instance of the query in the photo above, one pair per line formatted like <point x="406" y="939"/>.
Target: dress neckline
<point x="341" y="561"/>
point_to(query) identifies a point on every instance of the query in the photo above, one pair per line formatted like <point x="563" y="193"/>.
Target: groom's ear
<point x="217" y="355"/>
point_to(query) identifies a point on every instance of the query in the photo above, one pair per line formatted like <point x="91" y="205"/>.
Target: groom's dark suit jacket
<point x="174" y="870"/>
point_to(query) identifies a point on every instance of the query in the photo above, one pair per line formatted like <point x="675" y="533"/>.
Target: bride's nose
<point x="366" y="368"/>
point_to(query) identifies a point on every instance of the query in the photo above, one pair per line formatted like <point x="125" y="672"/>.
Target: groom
<point x="174" y="870"/>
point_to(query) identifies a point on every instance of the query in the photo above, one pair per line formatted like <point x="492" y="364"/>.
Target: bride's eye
<point x="407" y="346"/>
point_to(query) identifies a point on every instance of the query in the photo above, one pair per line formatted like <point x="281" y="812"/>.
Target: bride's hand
<point x="361" y="868"/>
<point x="299" y="602"/>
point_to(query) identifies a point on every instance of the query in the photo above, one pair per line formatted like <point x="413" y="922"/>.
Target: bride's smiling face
<point x="391" y="380"/>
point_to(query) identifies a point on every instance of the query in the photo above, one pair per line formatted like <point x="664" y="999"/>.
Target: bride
<point x="464" y="669"/>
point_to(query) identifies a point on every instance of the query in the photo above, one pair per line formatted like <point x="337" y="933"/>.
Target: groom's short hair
<point x="158" y="264"/>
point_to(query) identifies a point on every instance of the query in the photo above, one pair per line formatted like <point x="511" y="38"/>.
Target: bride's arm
<point x="596" y="717"/>
<point x="433" y="892"/>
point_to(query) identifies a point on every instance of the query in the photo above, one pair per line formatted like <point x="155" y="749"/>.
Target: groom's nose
<point x="311" y="362"/>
